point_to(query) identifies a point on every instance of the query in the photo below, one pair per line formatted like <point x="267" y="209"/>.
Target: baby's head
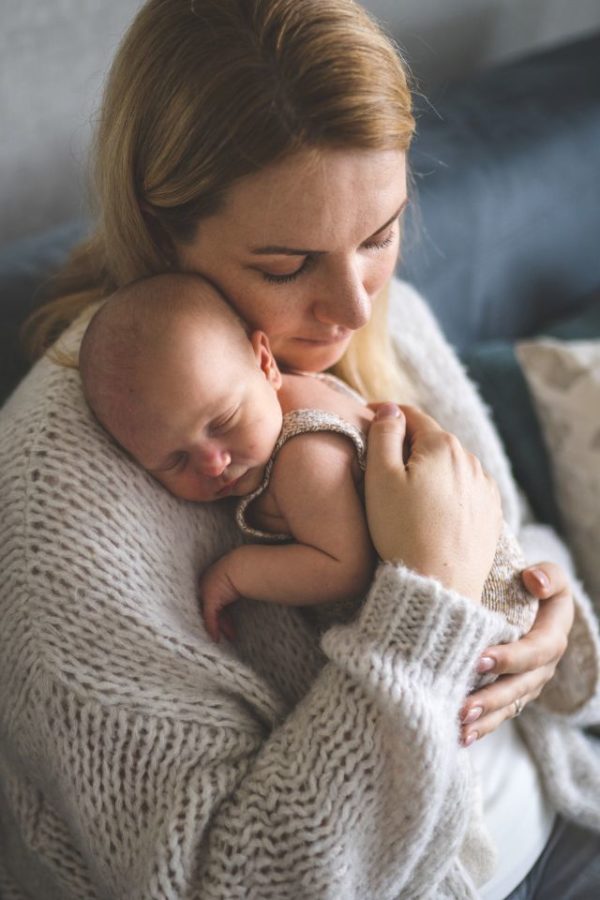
<point x="172" y="374"/>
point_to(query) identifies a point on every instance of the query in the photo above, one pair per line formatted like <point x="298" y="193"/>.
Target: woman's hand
<point x="527" y="665"/>
<point x="429" y="503"/>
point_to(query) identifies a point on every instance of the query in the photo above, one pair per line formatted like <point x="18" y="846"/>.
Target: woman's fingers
<point x="504" y="699"/>
<point x="422" y="431"/>
<point x="429" y="503"/>
<point x="386" y="438"/>
<point x="385" y="477"/>
<point x="417" y="420"/>
<point x="545" y="579"/>
<point x="524" y="666"/>
<point x="393" y="433"/>
<point x="544" y="644"/>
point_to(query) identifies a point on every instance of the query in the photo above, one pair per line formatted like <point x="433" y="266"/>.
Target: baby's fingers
<point x="227" y="626"/>
<point x="210" y="614"/>
<point x="213" y="615"/>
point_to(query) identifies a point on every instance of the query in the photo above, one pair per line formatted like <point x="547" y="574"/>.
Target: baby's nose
<point x="213" y="462"/>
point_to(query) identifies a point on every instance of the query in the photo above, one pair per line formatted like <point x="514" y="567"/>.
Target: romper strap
<point x="299" y="421"/>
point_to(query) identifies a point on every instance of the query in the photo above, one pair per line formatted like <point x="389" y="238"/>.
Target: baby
<point x="198" y="400"/>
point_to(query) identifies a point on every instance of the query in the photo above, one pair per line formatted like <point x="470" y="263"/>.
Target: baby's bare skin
<point x="315" y="494"/>
<point x="198" y="399"/>
<point x="301" y="391"/>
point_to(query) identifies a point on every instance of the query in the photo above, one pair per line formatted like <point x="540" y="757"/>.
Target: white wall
<point x="445" y="40"/>
<point x="53" y="58"/>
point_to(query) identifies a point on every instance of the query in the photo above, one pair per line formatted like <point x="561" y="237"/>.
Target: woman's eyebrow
<point x="284" y="251"/>
<point x="296" y="251"/>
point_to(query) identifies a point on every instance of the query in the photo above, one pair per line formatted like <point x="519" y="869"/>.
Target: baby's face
<point x="206" y="416"/>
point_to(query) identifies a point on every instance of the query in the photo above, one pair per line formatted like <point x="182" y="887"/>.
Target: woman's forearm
<point x="367" y="766"/>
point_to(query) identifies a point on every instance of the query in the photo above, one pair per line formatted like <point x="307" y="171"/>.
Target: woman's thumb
<point x="387" y="411"/>
<point x="386" y="437"/>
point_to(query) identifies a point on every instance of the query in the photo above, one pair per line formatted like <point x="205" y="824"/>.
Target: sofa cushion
<point x="564" y="380"/>
<point x="495" y="368"/>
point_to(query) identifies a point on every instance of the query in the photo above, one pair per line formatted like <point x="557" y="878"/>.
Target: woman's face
<point x="302" y="248"/>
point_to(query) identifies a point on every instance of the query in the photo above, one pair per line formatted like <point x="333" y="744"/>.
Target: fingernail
<point x="470" y="739"/>
<point x="386" y="411"/>
<point x="472" y="715"/>
<point x="486" y="664"/>
<point x="541" y="577"/>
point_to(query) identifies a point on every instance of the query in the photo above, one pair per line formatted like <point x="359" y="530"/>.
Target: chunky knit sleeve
<point x="363" y="790"/>
<point x="566" y="759"/>
<point x="448" y="394"/>
<point x="139" y="760"/>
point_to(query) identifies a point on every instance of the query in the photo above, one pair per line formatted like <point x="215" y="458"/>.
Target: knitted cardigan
<point x="140" y="760"/>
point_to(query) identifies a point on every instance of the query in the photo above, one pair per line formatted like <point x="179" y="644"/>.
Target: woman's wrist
<point x="417" y="618"/>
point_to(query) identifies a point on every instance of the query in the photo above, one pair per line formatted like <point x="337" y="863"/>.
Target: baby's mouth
<point x="228" y="487"/>
<point x="229" y="484"/>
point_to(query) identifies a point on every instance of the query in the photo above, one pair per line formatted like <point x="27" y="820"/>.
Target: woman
<point x="262" y="143"/>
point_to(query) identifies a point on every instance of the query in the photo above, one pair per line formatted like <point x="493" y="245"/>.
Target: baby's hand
<point x="216" y="592"/>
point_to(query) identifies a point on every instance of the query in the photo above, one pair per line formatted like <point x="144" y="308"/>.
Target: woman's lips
<point x="325" y="342"/>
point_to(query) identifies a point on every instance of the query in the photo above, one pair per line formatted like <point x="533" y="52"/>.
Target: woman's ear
<point x="265" y="358"/>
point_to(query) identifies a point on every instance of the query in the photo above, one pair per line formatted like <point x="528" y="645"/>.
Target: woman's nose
<point x="212" y="461"/>
<point x="344" y="300"/>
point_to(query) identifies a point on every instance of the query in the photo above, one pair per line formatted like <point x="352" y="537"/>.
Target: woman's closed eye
<point x="288" y="276"/>
<point x="381" y="242"/>
<point x="377" y="242"/>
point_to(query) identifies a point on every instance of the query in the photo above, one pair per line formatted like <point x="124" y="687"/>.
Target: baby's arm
<point x="332" y="557"/>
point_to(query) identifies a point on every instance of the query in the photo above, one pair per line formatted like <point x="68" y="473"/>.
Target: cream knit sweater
<point x="140" y="760"/>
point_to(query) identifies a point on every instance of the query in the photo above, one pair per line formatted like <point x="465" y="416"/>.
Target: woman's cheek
<point x="281" y="320"/>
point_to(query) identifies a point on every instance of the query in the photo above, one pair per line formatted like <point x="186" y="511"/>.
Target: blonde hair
<point x="201" y="94"/>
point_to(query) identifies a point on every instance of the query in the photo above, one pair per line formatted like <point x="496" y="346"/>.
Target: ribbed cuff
<point x="417" y="623"/>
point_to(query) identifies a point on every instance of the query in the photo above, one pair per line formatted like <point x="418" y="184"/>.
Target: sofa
<point x="502" y="236"/>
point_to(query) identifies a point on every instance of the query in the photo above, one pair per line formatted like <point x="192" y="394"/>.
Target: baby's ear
<point x="265" y="358"/>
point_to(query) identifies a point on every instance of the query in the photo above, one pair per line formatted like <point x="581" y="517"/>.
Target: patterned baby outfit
<point x="299" y="421"/>
<point x="503" y="590"/>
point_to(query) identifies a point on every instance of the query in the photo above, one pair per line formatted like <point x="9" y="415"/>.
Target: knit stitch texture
<point x="140" y="761"/>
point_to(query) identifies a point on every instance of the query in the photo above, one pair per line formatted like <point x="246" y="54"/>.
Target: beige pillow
<point x="564" y="380"/>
